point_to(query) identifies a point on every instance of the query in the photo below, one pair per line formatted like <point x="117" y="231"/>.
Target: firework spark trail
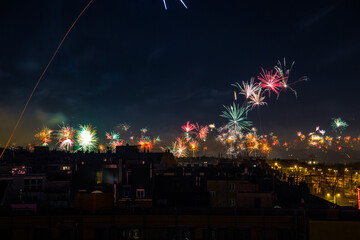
<point x="284" y="73"/>
<point x="164" y="1"/>
<point x="182" y="2"/>
<point x="43" y="73"/>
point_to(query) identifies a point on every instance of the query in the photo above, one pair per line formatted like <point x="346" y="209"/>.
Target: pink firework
<point x="271" y="81"/>
<point x="202" y="132"/>
<point x="188" y="127"/>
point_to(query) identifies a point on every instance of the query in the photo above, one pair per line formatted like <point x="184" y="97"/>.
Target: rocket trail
<point x="42" y="75"/>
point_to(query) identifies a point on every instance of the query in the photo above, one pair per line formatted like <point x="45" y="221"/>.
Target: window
<point x="232" y="186"/>
<point x="65" y="168"/>
<point x="98" y="177"/>
<point x="232" y="203"/>
<point x="212" y="194"/>
<point x="128" y="233"/>
<point x="140" y="193"/>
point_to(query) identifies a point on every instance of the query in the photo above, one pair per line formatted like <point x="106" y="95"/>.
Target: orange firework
<point x="43" y="137"/>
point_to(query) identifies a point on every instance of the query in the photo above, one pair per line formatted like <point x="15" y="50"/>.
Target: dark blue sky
<point x="132" y="61"/>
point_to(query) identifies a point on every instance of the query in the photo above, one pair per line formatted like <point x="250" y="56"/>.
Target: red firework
<point x="271" y="81"/>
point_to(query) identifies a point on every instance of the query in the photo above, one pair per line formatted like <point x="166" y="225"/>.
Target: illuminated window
<point x="129" y="233"/>
<point x="99" y="177"/>
<point x="65" y="168"/>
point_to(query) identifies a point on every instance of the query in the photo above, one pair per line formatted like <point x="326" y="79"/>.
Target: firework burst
<point x="113" y="136"/>
<point x="114" y="139"/>
<point x="144" y="131"/>
<point x="236" y="117"/>
<point x="188" y="128"/>
<point x="201" y="132"/>
<point x="156" y="140"/>
<point x="43" y="137"/>
<point x="179" y="148"/>
<point x="247" y="88"/>
<point x="86" y="138"/>
<point x="271" y="81"/>
<point x="65" y="136"/>
<point x="194" y="145"/>
<point x="145" y="143"/>
<point x="123" y="127"/>
<point x="256" y="99"/>
<point x="114" y="144"/>
<point x="338" y="125"/>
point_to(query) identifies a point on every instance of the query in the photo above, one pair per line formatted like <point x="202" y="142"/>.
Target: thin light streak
<point x="42" y="75"/>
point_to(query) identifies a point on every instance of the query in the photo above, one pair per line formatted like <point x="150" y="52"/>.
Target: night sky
<point x="132" y="61"/>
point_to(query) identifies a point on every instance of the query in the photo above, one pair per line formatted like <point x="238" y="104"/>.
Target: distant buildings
<point x="133" y="194"/>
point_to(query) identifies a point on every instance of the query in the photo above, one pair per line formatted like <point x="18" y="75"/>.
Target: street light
<point x="336" y="195"/>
